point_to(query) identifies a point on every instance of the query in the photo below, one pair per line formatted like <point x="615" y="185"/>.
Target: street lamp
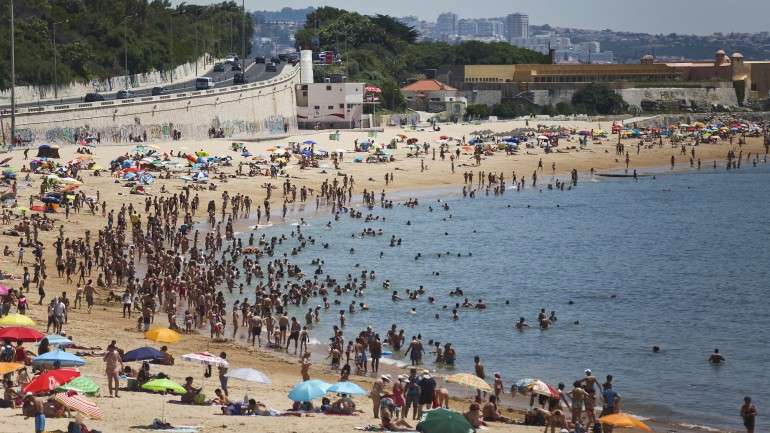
<point x="13" y="78"/>
<point x="55" y="53"/>
<point x="125" y="44"/>
<point x="243" y="35"/>
<point x="171" y="40"/>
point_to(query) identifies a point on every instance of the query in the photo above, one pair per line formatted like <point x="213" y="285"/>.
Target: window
<point x="342" y="105"/>
<point x="328" y="88"/>
<point x="304" y="94"/>
<point x="317" y="107"/>
<point x="331" y="107"/>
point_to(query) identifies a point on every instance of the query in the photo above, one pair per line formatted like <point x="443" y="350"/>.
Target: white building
<point x="446" y="24"/>
<point x="517" y="26"/>
<point x="330" y="105"/>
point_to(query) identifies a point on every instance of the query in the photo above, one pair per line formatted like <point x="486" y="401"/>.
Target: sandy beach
<point x="413" y="176"/>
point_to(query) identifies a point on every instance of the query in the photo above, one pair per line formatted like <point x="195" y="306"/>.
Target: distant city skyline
<point x="650" y="16"/>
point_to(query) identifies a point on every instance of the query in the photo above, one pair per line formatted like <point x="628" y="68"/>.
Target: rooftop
<point x="427" y="86"/>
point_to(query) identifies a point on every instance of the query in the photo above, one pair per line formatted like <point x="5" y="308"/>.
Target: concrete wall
<point x="700" y="95"/>
<point x="184" y="72"/>
<point x="247" y="111"/>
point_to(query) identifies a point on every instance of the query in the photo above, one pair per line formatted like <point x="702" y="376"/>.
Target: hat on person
<point x="426" y="374"/>
<point x="403" y="377"/>
<point x="588" y="371"/>
<point x="386" y="378"/>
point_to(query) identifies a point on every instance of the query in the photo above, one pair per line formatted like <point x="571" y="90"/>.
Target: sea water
<point x="679" y="261"/>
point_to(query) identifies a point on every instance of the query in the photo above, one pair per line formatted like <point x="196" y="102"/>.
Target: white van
<point x="204" y="83"/>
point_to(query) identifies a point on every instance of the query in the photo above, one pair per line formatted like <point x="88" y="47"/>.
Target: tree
<point x="598" y="99"/>
<point x="477" y="111"/>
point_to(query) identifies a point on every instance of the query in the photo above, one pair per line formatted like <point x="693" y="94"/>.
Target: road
<point x="254" y="72"/>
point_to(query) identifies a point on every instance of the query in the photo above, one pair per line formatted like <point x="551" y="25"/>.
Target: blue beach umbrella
<point x="346" y="388"/>
<point x="308" y="390"/>
<point x="58" y="357"/>
<point x="145" y="353"/>
<point x="58" y="340"/>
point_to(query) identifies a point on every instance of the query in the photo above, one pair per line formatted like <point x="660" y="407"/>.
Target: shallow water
<point x="680" y="261"/>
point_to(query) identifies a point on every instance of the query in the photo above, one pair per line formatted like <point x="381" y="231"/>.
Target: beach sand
<point x="105" y="322"/>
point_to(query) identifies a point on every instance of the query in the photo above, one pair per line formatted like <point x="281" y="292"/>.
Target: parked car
<point x="259" y="59"/>
<point x="124" y="94"/>
<point x="158" y="90"/>
<point x="204" y="83"/>
<point x="239" y="78"/>
<point x="270" y="67"/>
<point x="93" y="97"/>
<point x="219" y="67"/>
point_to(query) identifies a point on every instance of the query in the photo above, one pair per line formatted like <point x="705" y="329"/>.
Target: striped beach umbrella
<point x="74" y="401"/>
<point x="469" y="380"/>
<point x="205" y="358"/>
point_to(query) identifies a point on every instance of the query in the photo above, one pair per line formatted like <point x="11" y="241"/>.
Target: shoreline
<point x="108" y="317"/>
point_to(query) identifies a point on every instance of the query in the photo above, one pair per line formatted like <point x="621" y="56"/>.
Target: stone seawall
<point x="246" y="111"/>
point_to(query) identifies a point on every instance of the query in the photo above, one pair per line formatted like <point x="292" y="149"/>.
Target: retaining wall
<point x="248" y="111"/>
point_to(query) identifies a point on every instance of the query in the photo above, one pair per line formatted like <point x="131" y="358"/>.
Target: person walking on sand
<point x="113" y="367"/>
<point x="749" y="414"/>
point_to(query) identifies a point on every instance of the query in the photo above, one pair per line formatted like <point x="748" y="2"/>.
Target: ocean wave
<point x="698" y="427"/>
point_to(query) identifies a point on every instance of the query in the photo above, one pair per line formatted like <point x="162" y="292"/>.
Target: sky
<point x="648" y="16"/>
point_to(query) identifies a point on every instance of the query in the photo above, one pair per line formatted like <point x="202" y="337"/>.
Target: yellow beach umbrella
<point x="9" y="367"/>
<point x="624" y="420"/>
<point x="16" y="319"/>
<point x="162" y="335"/>
<point x="469" y="380"/>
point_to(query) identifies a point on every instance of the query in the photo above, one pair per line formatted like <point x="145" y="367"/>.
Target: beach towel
<point x="375" y="428"/>
<point x="182" y="429"/>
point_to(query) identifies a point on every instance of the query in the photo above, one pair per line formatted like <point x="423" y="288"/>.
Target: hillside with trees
<point x="380" y="50"/>
<point x="91" y="34"/>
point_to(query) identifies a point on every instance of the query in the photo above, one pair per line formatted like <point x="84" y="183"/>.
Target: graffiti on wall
<point x="276" y="125"/>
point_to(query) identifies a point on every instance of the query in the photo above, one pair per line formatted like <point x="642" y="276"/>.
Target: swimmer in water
<point x="521" y="324"/>
<point x="716" y="358"/>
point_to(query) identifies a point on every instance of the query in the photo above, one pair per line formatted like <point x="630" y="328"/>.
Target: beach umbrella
<point x="309" y="142"/>
<point x="162" y="335"/>
<point x="308" y="390"/>
<point x="143" y="354"/>
<point x="74" y="401"/>
<point x="9" y="367"/>
<point x="4" y="290"/>
<point x="205" y="358"/>
<point x="249" y="375"/>
<point x="542" y="388"/>
<point x="58" y="340"/>
<point x="16" y="319"/>
<point x="58" y="357"/>
<point x="349" y="388"/>
<point x="469" y="380"/>
<point x="20" y="333"/>
<point x="82" y="385"/>
<point x="50" y="380"/>
<point x="624" y="420"/>
<point x="444" y="421"/>
<point x="164" y="385"/>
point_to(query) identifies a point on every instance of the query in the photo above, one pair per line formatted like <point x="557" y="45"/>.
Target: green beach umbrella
<point x="164" y="385"/>
<point x="444" y="421"/>
<point x="82" y="385"/>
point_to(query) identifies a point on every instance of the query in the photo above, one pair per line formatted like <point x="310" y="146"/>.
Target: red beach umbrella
<point x="20" y="333"/>
<point x="50" y="380"/>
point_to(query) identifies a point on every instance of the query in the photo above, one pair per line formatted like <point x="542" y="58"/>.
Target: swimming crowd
<point x="166" y="263"/>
